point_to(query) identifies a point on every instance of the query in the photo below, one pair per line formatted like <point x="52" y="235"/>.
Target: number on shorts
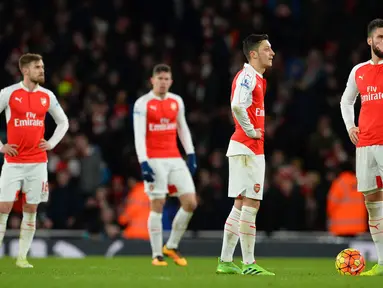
<point x="45" y="187"/>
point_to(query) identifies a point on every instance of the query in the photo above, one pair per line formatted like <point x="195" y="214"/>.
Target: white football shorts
<point x="246" y="176"/>
<point x="31" y="179"/>
<point x="369" y="167"/>
<point x="169" y="172"/>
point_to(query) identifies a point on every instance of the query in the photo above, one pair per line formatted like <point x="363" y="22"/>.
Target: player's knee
<point x="6" y="207"/>
<point x="30" y="208"/>
<point x="157" y="205"/>
<point x="191" y="205"/>
<point x="238" y="203"/>
<point x="251" y="202"/>
<point x="189" y="202"/>
<point x="373" y="195"/>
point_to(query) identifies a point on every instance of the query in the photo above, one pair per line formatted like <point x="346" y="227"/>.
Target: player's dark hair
<point x="28" y="58"/>
<point x="252" y="43"/>
<point x="161" y="68"/>
<point x="373" y="25"/>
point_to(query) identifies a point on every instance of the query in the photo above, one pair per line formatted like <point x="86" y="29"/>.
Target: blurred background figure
<point x="346" y="212"/>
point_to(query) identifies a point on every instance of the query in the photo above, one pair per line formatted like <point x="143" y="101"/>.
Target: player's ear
<point x="24" y="70"/>
<point x="253" y="54"/>
<point x="369" y="41"/>
<point x="152" y="80"/>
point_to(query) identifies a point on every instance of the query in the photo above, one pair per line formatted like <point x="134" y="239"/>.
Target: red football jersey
<point x="25" y="114"/>
<point x="365" y="79"/>
<point x="248" y="91"/>
<point x="156" y="123"/>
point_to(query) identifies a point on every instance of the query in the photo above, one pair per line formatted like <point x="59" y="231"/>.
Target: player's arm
<point x="185" y="137"/>
<point x="347" y="106"/>
<point x="139" y="125"/>
<point x="9" y="149"/>
<point x="60" y="119"/>
<point x="3" y="104"/>
<point x="183" y="129"/>
<point x="242" y="99"/>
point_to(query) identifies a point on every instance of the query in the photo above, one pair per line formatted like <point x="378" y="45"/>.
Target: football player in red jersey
<point x="366" y="80"/>
<point x="246" y="157"/>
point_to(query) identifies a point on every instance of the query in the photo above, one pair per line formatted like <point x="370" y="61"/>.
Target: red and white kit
<point x="246" y="154"/>
<point x="366" y="79"/>
<point x="25" y="113"/>
<point x="156" y="123"/>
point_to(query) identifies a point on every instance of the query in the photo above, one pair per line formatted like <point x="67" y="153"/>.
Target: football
<point x="350" y="262"/>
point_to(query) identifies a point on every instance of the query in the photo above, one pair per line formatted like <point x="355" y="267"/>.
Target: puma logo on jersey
<point x="361" y="77"/>
<point x="19" y="99"/>
<point x="153" y="107"/>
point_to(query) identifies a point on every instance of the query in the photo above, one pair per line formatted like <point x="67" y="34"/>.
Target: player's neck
<point x="258" y="67"/>
<point x="161" y="95"/>
<point x="375" y="59"/>
<point x="31" y="86"/>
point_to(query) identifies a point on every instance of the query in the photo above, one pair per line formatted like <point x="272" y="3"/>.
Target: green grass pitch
<point x="137" y="272"/>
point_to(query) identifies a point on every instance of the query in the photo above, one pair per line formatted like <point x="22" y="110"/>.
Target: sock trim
<point x="231" y="231"/>
<point x="244" y="221"/>
<point x="236" y="220"/>
<point x="375" y="210"/>
<point x="234" y="209"/>
<point x="249" y="209"/>
<point x="376" y="219"/>
<point x="29" y="217"/>
<point x="250" y="234"/>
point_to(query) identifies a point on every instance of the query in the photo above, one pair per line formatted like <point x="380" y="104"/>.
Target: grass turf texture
<point x="138" y="272"/>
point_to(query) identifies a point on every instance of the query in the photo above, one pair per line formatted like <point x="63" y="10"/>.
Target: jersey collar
<point x="158" y="97"/>
<point x="26" y="88"/>
<point x="246" y="65"/>
<point x="380" y="62"/>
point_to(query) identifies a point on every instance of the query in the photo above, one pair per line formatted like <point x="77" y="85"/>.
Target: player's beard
<point x="38" y="80"/>
<point x="377" y="51"/>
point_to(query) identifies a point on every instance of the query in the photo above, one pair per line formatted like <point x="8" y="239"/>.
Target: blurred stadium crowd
<point x="99" y="56"/>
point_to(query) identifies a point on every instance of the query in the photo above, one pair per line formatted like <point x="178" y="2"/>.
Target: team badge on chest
<point x="43" y="101"/>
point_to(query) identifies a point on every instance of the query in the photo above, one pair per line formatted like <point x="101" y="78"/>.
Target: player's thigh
<point x="180" y="177"/>
<point x="366" y="169"/>
<point x="35" y="184"/>
<point x="246" y="176"/>
<point x="159" y="187"/>
<point x="10" y="182"/>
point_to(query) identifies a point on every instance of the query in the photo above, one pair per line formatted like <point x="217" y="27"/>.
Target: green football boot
<point x="377" y="270"/>
<point x="227" y="268"/>
<point x="254" y="270"/>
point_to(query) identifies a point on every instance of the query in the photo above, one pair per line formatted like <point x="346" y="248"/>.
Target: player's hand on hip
<point x="258" y="133"/>
<point x="353" y="133"/>
<point x="10" y="149"/>
<point x="44" y="145"/>
<point x="147" y="172"/>
<point x="192" y="163"/>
